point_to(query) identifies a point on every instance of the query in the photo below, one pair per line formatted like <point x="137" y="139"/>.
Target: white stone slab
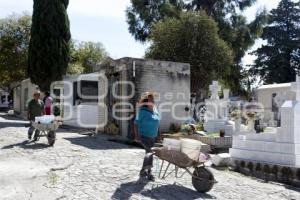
<point x="278" y="158"/>
<point x="221" y="160"/>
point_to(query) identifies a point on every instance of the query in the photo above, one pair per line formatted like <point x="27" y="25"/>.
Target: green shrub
<point x="290" y="174"/>
<point x="243" y="164"/>
<point x="286" y="174"/>
<point x="298" y="174"/>
<point x="175" y="128"/>
<point x="275" y="170"/>
<point x="258" y="167"/>
<point x="200" y="127"/>
<point x="213" y="135"/>
<point x="250" y="166"/>
<point x="267" y="169"/>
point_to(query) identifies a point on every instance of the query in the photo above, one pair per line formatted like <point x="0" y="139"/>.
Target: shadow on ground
<point x="27" y="145"/>
<point x="11" y="121"/>
<point x="96" y="143"/>
<point x="158" y="191"/>
<point x="8" y="124"/>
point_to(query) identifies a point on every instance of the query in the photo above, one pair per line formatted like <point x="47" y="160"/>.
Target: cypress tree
<point x="48" y="55"/>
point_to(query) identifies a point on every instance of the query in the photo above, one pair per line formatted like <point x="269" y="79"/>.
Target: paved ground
<point x="81" y="167"/>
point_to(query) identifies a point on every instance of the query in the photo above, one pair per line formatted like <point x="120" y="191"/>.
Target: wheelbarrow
<point x="202" y="179"/>
<point x="47" y="130"/>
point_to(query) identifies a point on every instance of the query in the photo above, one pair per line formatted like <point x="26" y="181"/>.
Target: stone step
<point x="276" y="158"/>
<point x="284" y="148"/>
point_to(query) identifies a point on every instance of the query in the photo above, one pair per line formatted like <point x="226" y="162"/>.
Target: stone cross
<point x="215" y="89"/>
<point x="296" y="88"/>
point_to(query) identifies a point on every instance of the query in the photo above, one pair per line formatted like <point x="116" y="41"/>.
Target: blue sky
<point x="104" y="21"/>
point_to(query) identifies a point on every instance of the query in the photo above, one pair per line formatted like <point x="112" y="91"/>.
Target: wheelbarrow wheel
<point x="203" y="180"/>
<point x="51" y="138"/>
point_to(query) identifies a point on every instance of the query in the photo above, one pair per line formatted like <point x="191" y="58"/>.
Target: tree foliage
<point x="141" y="15"/>
<point x="49" y="45"/>
<point x="279" y="59"/>
<point x="14" y="41"/>
<point x="192" y="38"/>
<point x="234" y="29"/>
<point x="86" y="56"/>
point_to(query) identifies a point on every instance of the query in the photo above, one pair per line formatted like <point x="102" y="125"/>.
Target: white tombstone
<point x="216" y="117"/>
<point x="237" y="125"/>
<point x="226" y="94"/>
<point x="281" y="146"/>
<point x="221" y="160"/>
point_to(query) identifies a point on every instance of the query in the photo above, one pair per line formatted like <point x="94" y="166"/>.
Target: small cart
<point x="202" y="178"/>
<point x="47" y="130"/>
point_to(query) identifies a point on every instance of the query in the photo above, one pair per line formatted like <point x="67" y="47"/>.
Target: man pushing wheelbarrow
<point x="42" y="125"/>
<point x="35" y="109"/>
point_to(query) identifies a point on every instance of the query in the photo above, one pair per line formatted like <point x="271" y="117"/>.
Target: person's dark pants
<point x="148" y="143"/>
<point x="31" y="130"/>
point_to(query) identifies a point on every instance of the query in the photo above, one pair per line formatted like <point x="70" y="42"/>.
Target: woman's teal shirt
<point x="147" y="122"/>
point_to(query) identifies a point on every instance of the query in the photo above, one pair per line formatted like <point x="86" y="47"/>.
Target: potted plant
<point x="275" y="171"/>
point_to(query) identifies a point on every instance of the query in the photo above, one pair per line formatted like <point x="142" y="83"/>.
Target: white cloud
<point x="260" y="4"/>
<point x="11" y="6"/>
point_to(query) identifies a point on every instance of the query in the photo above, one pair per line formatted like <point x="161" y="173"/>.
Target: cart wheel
<point x="203" y="180"/>
<point x="51" y="138"/>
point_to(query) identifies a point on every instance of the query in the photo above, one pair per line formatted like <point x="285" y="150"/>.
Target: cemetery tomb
<point x="279" y="146"/>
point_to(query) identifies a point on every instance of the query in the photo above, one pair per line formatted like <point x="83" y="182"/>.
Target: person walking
<point x="35" y="109"/>
<point x="48" y="101"/>
<point x="146" y="130"/>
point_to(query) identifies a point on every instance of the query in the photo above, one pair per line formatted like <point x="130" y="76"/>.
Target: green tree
<point x="192" y="38"/>
<point x="239" y="34"/>
<point x="279" y="60"/>
<point x="48" y="56"/>
<point x="14" y="41"/>
<point x="86" y="56"/>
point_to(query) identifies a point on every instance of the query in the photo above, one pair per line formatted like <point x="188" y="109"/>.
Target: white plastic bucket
<point x="191" y="148"/>
<point x="172" y="144"/>
<point x="46" y="119"/>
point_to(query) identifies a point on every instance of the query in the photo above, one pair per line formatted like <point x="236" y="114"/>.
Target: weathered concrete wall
<point x="23" y="96"/>
<point x="170" y="80"/>
<point x="264" y="96"/>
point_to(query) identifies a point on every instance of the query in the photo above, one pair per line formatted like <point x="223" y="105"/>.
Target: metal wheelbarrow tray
<point x="47" y="130"/>
<point x="202" y="179"/>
